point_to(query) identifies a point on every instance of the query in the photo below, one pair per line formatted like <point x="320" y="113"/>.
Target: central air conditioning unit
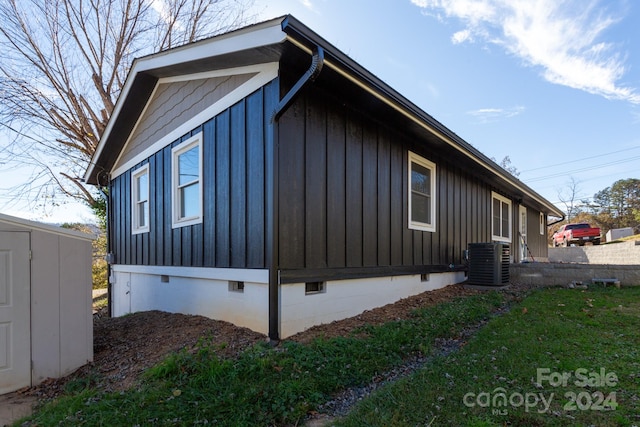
<point x="489" y="264"/>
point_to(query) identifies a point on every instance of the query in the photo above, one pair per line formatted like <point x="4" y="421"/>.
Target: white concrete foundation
<point x="201" y="291"/>
<point x="207" y="292"/>
<point x="346" y="298"/>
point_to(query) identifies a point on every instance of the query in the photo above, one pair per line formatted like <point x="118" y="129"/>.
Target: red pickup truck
<point x="579" y="234"/>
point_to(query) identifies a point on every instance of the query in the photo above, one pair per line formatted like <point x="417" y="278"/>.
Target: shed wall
<point x="61" y="298"/>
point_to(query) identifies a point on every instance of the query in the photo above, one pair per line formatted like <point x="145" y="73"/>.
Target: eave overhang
<point x="272" y="41"/>
<point x="255" y="44"/>
<point x="421" y="122"/>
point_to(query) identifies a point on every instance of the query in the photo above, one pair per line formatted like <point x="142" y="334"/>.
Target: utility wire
<point x="581" y="160"/>
<point x="587" y="168"/>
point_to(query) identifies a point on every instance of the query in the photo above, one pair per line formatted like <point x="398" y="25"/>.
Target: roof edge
<point x="270" y="33"/>
<point x="306" y="39"/>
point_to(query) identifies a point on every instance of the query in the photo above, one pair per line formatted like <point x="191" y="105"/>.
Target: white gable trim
<point x="250" y="38"/>
<point x="266" y="73"/>
<point x="249" y="69"/>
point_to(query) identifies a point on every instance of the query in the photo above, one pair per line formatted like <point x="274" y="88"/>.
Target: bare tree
<point x="569" y="196"/>
<point x="64" y="63"/>
<point x="506" y="164"/>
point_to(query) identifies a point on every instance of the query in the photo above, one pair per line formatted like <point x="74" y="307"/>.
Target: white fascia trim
<point x="250" y="275"/>
<point x="412" y="117"/>
<point x="266" y="73"/>
<point x="236" y="71"/>
<point x="216" y="46"/>
<point x="232" y="42"/>
<point x="249" y="69"/>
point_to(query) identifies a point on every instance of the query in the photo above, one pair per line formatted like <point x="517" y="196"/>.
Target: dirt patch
<point x="397" y="311"/>
<point x="126" y="346"/>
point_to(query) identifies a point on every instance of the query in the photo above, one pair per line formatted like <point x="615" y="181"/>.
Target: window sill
<point x="186" y="222"/>
<point x="422" y="227"/>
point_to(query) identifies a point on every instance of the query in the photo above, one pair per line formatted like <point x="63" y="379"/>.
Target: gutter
<point x="317" y="62"/>
<point x="555" y="222"/>
<point x="302" y="37"/>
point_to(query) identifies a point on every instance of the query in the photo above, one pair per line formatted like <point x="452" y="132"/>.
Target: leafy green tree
<point x="620" y="203"/>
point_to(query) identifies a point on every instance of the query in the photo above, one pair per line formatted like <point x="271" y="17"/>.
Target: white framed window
<point x="501" y="218"/>
<point x="140" y="200"/>
<point x="422" y="193"/>
<point x="186" y="182"/>
<point x="542" y="225"/>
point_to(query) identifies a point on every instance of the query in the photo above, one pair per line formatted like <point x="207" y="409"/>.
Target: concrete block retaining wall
<point x="557" y="274"/>
<point x="626" y="253"/>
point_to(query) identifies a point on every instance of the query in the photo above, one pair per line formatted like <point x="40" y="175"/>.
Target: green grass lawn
<point x="563" y="357"/>
<point x="264" y="385"/>
<point x="499" y="377"/>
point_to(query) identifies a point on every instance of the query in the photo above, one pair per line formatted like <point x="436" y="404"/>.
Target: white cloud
<point x="488" y="115"/>
<point x="307" y="4"/>
<point x="461" y="36"/>
<point x="562" y="37"/>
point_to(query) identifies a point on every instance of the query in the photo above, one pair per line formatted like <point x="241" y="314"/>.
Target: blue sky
<point x="554" y="85"/>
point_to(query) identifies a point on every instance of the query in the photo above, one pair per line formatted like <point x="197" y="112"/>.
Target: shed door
<point x="15" y="311"/>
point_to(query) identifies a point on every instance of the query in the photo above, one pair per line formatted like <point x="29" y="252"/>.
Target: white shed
<point x="46" y="325"/>
<point x="618" y="233"/>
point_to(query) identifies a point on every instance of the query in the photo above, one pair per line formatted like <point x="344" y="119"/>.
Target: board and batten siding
<point x="233" y="230"/>
<point x="537" y="243"/>
<point x="343" y="194"/>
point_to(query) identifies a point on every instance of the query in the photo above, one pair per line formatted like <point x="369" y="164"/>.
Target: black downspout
<point x="555" y="222"/>
<point x="109" y="255"/>
<point x="311" y="74"/>
<point x="273" y="262"/>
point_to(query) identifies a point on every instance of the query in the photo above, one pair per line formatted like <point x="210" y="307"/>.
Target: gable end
<point x="178" y="105"/>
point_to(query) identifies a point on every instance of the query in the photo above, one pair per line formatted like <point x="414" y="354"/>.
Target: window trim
<point x="135" y="175"/>
<point x="418" y="225"/>
<point x="542" y="223"/>
<point x="176" y="151"/>
<point x="508" y="202"/>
